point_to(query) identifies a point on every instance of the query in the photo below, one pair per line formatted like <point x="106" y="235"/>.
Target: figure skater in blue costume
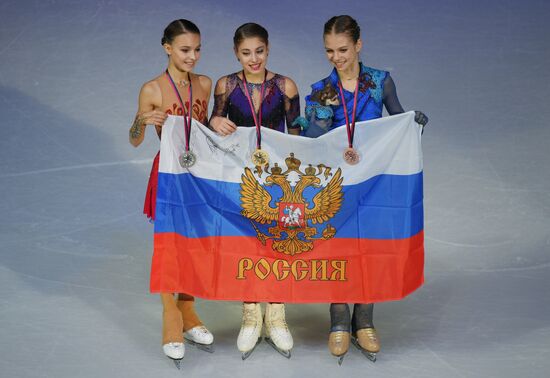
<point x="373" y="90"/>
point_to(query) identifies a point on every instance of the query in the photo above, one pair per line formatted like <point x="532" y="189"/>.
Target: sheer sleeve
<point x="292" y="110"/>
<point x="221" y="99"/>
<point x="393" y="106"/>
<point x="389" y="97"/>
<point x="291" y="100"/>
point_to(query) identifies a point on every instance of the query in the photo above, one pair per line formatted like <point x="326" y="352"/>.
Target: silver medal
<point x="187" y="159"/>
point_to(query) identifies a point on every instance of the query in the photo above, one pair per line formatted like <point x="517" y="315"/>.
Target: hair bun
<point x="178" y="27"/>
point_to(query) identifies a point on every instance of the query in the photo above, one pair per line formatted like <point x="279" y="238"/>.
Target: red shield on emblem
<point x="291" y="215"/>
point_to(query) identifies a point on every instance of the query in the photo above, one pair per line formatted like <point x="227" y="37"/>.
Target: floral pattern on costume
<point x="199" y="110"/>
<point x="369" y="103"/>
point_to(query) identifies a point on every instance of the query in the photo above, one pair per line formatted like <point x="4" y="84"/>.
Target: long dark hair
<point x="178" y="27"/>
<point x="250" y="30"/>
<point x="343" y="24"/>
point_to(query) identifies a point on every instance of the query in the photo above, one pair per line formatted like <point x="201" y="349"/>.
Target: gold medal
<point x="187" y="159"/>
<point x="351" y="156"/>
<point x="260" y="157"/>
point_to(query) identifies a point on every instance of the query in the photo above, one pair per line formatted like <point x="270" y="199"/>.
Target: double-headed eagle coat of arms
<point x="291" y="217"/>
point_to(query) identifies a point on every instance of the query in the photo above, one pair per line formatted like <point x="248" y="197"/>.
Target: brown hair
<point x="178" y="27"/>
<point x="343" y="24"/>
<point x="250" y="30"/>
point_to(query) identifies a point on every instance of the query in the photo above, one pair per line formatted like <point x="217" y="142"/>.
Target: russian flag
<point x="309" y="227"/>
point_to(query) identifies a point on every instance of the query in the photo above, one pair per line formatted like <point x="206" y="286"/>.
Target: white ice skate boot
<point x="276" y="329"/>
<point x="175" y="351"/>
<point x="172" y="339"/>
<point x="251" y="329"/>
<point x="200" y="337"/>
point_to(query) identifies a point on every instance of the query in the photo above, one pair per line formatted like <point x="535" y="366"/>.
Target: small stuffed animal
<point x="319" y="114"/>
<point x="326" y="96"/>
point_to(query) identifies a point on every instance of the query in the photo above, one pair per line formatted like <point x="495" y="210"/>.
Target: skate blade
<point x="370" y="355"/>
<point x="247" y="354"/>
<point x="341" y="359"/>
<point x="284" y="353"/>
<point x="204" y="347"/>
<point x="177" y="363"/>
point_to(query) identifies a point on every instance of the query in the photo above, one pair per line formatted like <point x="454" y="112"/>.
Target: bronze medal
<point x="260" y="157"/>
<point x="187" y="159"/>
<point x="351" y="156"/>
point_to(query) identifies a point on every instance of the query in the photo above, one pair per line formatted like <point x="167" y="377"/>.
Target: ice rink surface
<point x="75" y="249"/>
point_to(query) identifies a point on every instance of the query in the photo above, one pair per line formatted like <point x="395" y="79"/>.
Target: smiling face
<point x="184" y="51"/>
<point x="252" y="53"/>
<point x="341" y="51"/>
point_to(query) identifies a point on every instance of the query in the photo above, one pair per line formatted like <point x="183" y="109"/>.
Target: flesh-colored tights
<point x="178" y="316"/>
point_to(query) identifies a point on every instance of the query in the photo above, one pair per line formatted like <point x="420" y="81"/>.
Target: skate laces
<point x="339" y="336"/>
<point x="371" y="333"/>
<point x="249" y="316"/>
<point x="277" y="317"/>
<point x="201" y="329"/>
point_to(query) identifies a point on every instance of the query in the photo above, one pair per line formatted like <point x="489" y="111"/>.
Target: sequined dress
<point x="277" y="107"/>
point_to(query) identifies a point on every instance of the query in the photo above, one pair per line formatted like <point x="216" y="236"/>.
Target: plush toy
<point x="319" y="112"/>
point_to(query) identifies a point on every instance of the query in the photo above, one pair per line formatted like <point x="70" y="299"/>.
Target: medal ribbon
<point x="349" y="127"/>
<point x="187" y="117"/>
<point x="257" y="119"/>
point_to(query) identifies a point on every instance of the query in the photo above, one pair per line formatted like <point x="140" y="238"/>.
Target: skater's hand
<point x="420" y="118"/>
<point x="222" y="125"/>
<point x="154" y="117"/>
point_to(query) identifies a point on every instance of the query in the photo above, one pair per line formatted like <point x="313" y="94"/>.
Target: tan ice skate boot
<point x="368" y="340"/>
<point x="339" y="337"/>
<point x="364" y="335"/>
<point x="338" y="343"/>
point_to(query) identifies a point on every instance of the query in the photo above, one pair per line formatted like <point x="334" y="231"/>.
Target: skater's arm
<point x="219" y="121"/>
<point x="149" y="101"/>
<point x="390" y="99"/>
<point x="292" y="106"/>
<point x="392" y="104"/>
<point x="206" y="84"/>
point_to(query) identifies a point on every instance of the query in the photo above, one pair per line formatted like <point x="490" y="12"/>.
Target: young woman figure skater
<point x="170" y="93"/>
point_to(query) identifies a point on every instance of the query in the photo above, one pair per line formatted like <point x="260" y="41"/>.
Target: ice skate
<point x="364" y="335"/>
<point x="195" y="333"/>
<point x="172" y="338"/>
<point x="174" y="351"/>
<point x="201" y="338"/>
<point x="338" y="344"/>
<point x="251" y="329"/>
<point x="339" y="337"/>
<point x="366" y="340"/>
<point x="276" y="329"/>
